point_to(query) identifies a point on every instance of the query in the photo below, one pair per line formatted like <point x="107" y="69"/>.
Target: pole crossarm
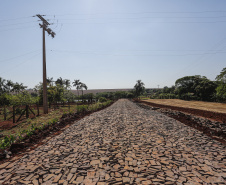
<point x="43" y="20"/>
<point x="45" y="26"/>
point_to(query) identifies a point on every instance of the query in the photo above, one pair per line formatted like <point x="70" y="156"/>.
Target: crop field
<point x="207" y="106"/>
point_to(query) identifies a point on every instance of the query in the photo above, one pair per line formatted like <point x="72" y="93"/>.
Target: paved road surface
<point x="123" y="144"/>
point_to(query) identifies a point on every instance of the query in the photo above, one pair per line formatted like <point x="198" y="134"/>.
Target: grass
<point x="26" y="124"/>
<point x="29" y="126"/>
<point x="208" y="106"/>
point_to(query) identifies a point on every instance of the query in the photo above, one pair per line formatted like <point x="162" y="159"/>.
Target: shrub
<point x="102" y="99"/>
<point x="7" y="141"/>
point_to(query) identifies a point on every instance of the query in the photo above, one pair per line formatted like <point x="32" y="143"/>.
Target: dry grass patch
<point x="208" y="106"/>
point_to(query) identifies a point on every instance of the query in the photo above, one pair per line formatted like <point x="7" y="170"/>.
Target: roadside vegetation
<point x="195" y="87"/>
<point x="21" y="113"/>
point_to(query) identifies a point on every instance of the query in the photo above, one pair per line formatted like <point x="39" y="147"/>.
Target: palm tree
<point x="83" y="86"/>
<point x="49" y="81"/>
<point x="139" y="88"/>
<point x="59" y="81"/>
<point x="77" y="85"/>
<point x="67" y="83"/>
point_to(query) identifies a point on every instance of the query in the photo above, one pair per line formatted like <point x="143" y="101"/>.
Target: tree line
<point x="57" y="91"/>
<point x="195" y="87"/>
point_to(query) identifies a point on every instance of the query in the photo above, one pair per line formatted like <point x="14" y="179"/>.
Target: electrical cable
<point x="20" y="63"/>
<point x="18" y="23"/>
<point x="148" y="22"/>
<point x="20" y="28"/>
<point x="95" y="53"/>
<point x="112" y="13"/>
<point x="4" y="60"/>
<point x="15" y="18"/>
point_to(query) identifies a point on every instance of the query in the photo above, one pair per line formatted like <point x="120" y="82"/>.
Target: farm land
<point x="207" y="106"/>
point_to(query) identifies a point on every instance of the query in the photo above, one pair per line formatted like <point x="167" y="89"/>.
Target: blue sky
<point x="113" y="43"/>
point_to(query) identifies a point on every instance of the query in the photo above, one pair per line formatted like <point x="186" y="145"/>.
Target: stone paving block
<point x="126" y="144"/>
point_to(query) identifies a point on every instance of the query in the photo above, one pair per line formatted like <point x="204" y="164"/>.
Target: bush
<point x="102" y="99"/>
<point x="7" y="141"/>
<point x="82" y="108"/>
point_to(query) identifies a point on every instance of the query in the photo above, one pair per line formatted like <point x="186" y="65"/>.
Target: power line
<point x="153" y="22"/>
<point x="4" y="60"/>
<point x="92" y="18"/>
<point x="18" y="23"/>
<point x="15" y="18"/>
<point x="203" y="56"/>
<point x="101" y="53"/>
<point x="148" y="12"/>
<point x="20" y="28"/>
<point x="16" y="66"/>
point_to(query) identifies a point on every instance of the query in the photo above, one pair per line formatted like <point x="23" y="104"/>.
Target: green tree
<point x="139" y="88"/>
<point x="9" y="85"/>
<point x="18" y="87"/>
<point x="222" y="76"/>
<point x="195" y="87"/>
<point x="67" y="84"/>
<point x="49" y="81"/>
<point x="59" y="81"/>
<point x="221" y="88"/>
<point x="83" y="86"/>
<point x="2" y="85"/>
<point x="77" y="84"/>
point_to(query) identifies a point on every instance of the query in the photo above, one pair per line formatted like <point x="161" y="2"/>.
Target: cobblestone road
<point x="123" y="144"/>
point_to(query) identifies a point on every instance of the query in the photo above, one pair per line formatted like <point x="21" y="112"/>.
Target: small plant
<point x="29" y="120"/>
<point x="7" y="141"/>
<point x="33" y="127"/>
<point x="20" y="138"/>
<point x="29" y="133"/>
<point x="82" y="108"/>
<point x="102" y="99"/>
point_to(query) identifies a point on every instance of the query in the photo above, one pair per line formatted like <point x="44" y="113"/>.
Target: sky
<point x="112" y="44"/>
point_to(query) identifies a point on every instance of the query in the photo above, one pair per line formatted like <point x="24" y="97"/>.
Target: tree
<point x="195" y="87"/>
<point x="18" y="87"/>
<point x="221" y="88"/>
<point x="222" y="76"/>
<point x="2" y="85"/>
<point x="49" y="81"/>
<point x="59" y="81"/>
<point x="9" y="85"/>
<point x="67" y="84"/>
<point x="139" y="88"/>
<point x="83" y="86"/>
<point x="77" y="84"/>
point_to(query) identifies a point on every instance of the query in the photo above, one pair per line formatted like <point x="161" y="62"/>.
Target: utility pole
<point x="44" y="27"/>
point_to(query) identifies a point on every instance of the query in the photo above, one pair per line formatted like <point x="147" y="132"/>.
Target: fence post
<point x="37" y="109"/>
<point x="69" y="106"/>
<point x="5" y="115"/>
<point x="27" y="112"/>
<point x="14" y="114"/>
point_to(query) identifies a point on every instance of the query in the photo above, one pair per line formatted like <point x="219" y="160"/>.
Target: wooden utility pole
<point x="45" y="99"/>
<point x="44" y="26"/>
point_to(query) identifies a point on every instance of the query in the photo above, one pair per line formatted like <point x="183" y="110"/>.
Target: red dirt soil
<point x="221" y="117"/>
